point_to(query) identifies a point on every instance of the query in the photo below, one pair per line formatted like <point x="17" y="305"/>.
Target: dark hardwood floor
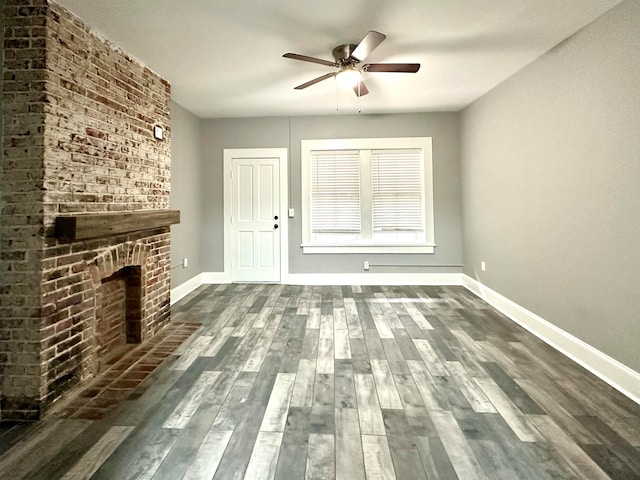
<point x="292" y="382"/>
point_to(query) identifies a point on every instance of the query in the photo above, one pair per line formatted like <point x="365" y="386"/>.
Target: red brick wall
<point x="78" y="115"/>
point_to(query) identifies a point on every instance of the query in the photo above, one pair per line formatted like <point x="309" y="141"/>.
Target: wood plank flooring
<point x="360" y="382"/>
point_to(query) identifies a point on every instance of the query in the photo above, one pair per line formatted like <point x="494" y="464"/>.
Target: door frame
<point x="228" y="155"/>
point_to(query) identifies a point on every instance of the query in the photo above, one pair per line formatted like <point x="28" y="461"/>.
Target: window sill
<point x="319" y="249"/>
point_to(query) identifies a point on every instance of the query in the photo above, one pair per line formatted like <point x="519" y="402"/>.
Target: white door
<point x="255" y="219"/>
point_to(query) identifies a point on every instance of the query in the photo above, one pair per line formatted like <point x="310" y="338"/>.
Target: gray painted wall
<point x="186" y="194"/>
<point x="551" y="185"/>
<point x="219" y="134"/>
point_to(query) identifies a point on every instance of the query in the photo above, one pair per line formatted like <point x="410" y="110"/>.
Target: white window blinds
<point x="335" y="191"/>
<point x="397" y="192"/>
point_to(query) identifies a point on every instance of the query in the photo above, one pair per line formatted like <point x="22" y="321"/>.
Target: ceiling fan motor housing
<point x="342" y="54"/>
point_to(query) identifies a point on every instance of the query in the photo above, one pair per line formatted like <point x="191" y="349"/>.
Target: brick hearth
<point x="78" y="115"/>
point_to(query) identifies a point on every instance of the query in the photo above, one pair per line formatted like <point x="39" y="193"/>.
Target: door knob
<point x="276" y="217"/>
<point x="275" y="226"/>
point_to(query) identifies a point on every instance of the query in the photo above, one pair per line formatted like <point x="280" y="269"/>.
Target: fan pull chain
<point x="337" y="97"/>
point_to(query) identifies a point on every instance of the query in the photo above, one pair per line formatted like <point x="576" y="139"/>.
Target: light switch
<point x="291" y="212"/>
<point x="157" y="132"/>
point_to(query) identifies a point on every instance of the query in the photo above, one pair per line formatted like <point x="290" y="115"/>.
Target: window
<point x="335" y="190"/>
<point x="367" y="195"/>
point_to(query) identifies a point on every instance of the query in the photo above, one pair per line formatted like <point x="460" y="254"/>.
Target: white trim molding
<point x="373" y="279"/>
<point x="204" y="278"/>
<point x="312" y="248"/>
<point x="600" y="364"/>
<point x="184" y="289"/>
<point x="214" y="278"/>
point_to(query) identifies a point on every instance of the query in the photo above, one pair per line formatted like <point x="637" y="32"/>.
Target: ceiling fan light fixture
<point x="348" y="77"/>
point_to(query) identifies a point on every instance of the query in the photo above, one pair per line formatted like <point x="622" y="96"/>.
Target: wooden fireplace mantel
<point x="95" y="225"/>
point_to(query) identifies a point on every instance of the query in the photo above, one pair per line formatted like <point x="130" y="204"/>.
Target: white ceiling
<point x="224" y="57"/>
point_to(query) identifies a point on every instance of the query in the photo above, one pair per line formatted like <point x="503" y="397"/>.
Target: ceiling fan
<point x="347" y="61"/>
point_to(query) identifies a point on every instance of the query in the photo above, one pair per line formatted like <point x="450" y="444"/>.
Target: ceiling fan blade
<point x="370" y="41"/>
<point x="305" y="58"/>
<point x="392" y="67"/>
<point x="360" y="89"/>
<point x="315" y="80"/>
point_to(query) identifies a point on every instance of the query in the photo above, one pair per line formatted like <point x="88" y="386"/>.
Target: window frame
<point x="367" y="245"/>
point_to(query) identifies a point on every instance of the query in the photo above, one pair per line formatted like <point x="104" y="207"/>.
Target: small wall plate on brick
<point x="157" y="132"/>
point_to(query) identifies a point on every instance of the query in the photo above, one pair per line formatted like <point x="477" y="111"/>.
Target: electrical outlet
<point x="366" y="265"/>
<point x="185" y="262"/>
<point x="483" y="266"/>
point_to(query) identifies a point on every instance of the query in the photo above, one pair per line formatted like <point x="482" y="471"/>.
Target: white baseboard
<point x="373" y="279"/>
<point x="204" y="278"/>
<point x="600" y="364"/>
<point x="215" y="278"/>
<point x="184" y="289"/>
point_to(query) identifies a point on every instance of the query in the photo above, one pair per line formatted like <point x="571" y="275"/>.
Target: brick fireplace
<point x="77" y="121"/>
